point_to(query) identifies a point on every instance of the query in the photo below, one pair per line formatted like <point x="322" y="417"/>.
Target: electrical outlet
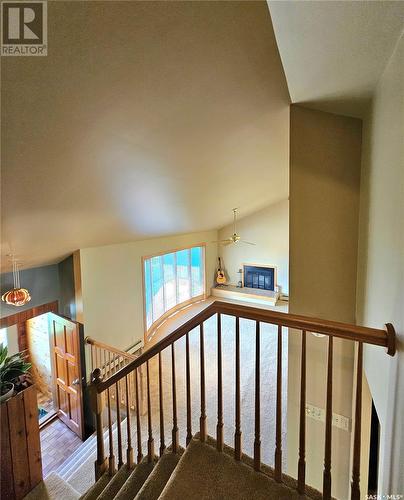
<point x="319" y="414"/>
<point x="315" y="413"/>
<point x="341" y="422"/>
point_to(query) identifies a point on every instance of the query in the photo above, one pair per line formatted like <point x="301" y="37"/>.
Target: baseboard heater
<point x="135" y="347"/>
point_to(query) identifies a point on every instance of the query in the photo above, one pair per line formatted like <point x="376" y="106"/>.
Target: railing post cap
<point x="96" y="376"/>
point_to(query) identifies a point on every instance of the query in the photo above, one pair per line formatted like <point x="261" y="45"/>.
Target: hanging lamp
<point x="17" y="296"/>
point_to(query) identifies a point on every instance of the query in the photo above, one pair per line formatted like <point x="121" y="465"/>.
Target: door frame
<point x="22" y="317"/>
<point x="20" y="320"/>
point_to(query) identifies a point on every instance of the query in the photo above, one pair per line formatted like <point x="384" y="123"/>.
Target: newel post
<point x="97" y="405"/>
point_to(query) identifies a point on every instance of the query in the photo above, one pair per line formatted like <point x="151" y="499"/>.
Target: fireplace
<point x="261" y="277"/>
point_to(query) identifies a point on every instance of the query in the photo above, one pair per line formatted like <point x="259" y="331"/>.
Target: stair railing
<point x="109" y="360"/>
<point x="128" y="374"/>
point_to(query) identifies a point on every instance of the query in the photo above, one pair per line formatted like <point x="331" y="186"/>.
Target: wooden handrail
<point x="109" y="360"/>
<point x="384" y="338"/>
<point x="160" y="346"/>
<point x="124" y="365"/>
<point x="107" y="347"/>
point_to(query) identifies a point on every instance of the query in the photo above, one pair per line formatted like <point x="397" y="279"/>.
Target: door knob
<point x="76" y="381"/>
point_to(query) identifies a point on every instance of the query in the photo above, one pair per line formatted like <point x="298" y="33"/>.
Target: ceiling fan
<point x="234" y="238"/>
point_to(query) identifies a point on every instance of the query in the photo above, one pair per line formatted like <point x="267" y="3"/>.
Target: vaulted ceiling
<point x="334" y="52"/>
<point x="145" y="119"/>
<point x="155" y="118"/>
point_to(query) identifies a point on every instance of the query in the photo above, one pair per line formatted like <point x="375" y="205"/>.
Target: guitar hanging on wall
<point x="220" y="277"/>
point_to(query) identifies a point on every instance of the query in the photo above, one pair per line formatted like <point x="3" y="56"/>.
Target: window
<point x="3" y="337"/>
<point x="172" y="279"/>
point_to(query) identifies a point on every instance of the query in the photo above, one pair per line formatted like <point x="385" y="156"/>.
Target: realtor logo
<point x="24" y="28"/>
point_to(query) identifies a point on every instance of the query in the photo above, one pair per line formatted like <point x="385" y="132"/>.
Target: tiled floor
<point x="58" y="442"/>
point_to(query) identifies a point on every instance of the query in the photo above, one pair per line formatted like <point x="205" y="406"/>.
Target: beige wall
<point x="325" y="155"/>
<point x="380" y="297"/>
<point x="112" y="284"/>
<point x="269" y="230"/>
<point x="324" y="204"/>
<point x="12" y="339"/>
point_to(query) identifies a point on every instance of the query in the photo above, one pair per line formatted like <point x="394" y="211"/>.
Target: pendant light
<point x="17" y="296"/>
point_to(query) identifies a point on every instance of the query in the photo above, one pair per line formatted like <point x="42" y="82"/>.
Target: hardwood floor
<point x="58" y="442"/>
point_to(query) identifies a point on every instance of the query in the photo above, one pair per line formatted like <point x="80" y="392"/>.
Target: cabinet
<point x="21" y="466"/>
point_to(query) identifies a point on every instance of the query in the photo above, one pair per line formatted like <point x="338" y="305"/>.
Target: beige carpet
<point x="136" y="480"/>
<point x="82" y="478"/>
<point x="112" y="488"/>
<point x="159" y="476"/>
<point x="247" y="357"/>
<point x="205" y="474"/>
<point x="53" y="488"/>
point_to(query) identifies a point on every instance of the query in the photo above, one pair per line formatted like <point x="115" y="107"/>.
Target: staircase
<point x="198" y="472"/>
<point x="109" y="360"/>
<point x="205" y="468"/>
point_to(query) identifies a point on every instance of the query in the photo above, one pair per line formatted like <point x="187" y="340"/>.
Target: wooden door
<point x="65" y="340"/>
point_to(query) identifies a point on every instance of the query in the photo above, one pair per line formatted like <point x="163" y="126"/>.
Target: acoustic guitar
<point x="220" y="277"/>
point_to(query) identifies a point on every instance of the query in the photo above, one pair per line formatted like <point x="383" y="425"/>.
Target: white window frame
<point x="157" y="322"/>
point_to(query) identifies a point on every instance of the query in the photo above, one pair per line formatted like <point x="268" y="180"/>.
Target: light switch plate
<point x="341" y="422"/>
<point x="318" y="414"/>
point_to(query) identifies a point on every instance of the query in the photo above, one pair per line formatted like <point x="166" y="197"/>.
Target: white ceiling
<point x="334" y="52"/>
<point x="145" y="119"/>
<point x="155" y="118"/>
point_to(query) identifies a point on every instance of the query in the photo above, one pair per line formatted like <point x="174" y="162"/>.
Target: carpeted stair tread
<point x="136" y="480"/>
<point x="78" y="456"/>
<point x="158" y="478"/>
<point x="97" y="488"/>
<point x="79" y="472"/>
<point x="205" y="474"/>
<point x="115" y="484"/>
<point x="53" y="488"/>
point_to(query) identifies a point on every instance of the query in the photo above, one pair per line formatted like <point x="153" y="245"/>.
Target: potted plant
<point x="11" y="368"/>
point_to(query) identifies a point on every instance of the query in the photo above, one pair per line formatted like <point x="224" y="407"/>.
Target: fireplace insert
<point x="259" y="277"/>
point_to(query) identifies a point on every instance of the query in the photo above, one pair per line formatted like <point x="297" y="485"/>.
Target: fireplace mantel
<point x="252" y="295"/>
